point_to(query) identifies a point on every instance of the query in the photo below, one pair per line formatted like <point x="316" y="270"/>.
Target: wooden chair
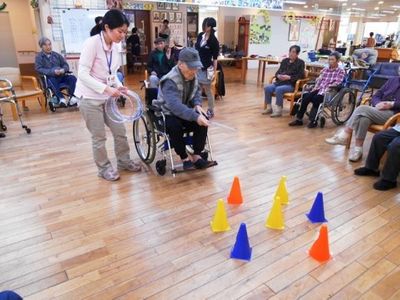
<point x="25" y="87"/>
<point x="293" y="96"/>
<point x="375" y="128"/>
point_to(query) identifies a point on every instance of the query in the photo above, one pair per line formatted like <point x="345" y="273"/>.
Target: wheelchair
<point x="150" y="136"/>
<point x="339" y="101"/>
<point x="50" y="97"/>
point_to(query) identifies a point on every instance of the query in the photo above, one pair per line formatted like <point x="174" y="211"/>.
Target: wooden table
<point x="262" y="63"/>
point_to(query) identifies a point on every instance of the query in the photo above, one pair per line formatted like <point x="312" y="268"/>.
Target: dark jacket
<point x="209" y="51"/>
<point x="134" y="42"/>
<point x="390" y="91"/>
<point x="47" y="65"/>
<point x="220" y="81"/>
<point x="295" y="70"/>
<point x="153" y="64"/>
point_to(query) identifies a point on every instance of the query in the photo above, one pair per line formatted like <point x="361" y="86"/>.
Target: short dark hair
<point x="114" y="18"/>
<point x="98" y="19"/>
<point x="165" y="21"/>
<point x="336" y="55"/>
<point x="371" y="34"/>
<point x="295" y="47"/>
<point x="134" y="30"/>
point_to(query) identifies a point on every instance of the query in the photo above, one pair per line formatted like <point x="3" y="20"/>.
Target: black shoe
<point x="62" y="104"/>
<point x="187" y="165"/>
<point x="296" y="123"/>
<point x="363" y="171"/>
<point x="201" y="163"/>
<point x="312" y="124"/>
<point x="2" y="135"/>
<point x="384" y="185"/>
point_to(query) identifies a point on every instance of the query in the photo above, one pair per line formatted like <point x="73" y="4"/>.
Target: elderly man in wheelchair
<point x="177" y="115"/>
<point x="55" y="76"/>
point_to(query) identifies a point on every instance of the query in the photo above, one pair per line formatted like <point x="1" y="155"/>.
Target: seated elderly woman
<point x="179" y="99"/>
<point x="330" y="76"/>
<point x="385" y="103"/>
<point x="54" y="66"/>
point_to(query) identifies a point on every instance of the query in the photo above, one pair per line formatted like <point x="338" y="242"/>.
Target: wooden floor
<point x="66" y="234"/>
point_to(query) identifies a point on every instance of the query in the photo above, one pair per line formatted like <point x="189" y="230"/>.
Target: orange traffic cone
<point x="320" y="249"/>
<point x="235" y="196"/>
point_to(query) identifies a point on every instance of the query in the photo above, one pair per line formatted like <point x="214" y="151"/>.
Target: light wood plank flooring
<point x="66" y="234"/>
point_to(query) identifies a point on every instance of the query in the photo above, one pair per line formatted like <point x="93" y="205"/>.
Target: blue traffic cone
<point x="241" y="249"/>
<point x="317" y="213"/>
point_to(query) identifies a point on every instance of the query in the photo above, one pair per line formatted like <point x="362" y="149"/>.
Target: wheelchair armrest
<point x="335" y="88"/>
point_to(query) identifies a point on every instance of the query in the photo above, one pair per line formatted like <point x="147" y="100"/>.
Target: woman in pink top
<point x="98" y="81"/>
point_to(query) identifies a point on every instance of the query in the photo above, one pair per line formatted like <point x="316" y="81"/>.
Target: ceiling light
<point x="376" y="8"/>
<point x="295" y="2"/>
<point x="354" y="4"/>
<point x="396" y="6"/>
<point x="358" y="9"/>
<point x="305" y="6"/>
<point x="344" y="4"/>
<point x="341" y="0"/>
<point x="388" y="11"/>
<point x="291" y="7"/>
<point x="380" y="2"/>
<point x="330" y="8"/>
<point x="348" y="9"/>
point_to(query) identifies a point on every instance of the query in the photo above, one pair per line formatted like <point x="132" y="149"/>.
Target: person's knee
<point x="394" y="148"/>
<point x="269" y="89"/>
<point x="154" y="81"/>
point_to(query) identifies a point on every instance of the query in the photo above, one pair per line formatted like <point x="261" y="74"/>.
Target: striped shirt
<point x="329" y="77"/>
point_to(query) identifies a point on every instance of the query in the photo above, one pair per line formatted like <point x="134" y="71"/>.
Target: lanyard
<point x="109" y="61"/>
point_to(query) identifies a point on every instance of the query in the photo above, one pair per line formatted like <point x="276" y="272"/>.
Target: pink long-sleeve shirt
<point x="94" y="70"/>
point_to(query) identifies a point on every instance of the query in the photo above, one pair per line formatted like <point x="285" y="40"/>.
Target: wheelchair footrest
<point x="210" y="164"/>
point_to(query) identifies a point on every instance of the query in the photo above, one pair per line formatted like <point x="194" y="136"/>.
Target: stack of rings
<point x="114" y="113"/>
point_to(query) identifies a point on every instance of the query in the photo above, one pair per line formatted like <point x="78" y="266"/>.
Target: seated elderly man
<point x="291" y="69"/>
<point x="388" y="140"/>
<point x="179" y="98"/>
<point x="330" y="76"/>
<point x="54" y="66"/>
<point x="385" y="103"/>
<point x="159" y="63"/>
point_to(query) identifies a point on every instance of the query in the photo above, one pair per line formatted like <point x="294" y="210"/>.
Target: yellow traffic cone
<point x="220" y="221"/>
<point x="275" y="218"/>
<point x="282" y="192"/>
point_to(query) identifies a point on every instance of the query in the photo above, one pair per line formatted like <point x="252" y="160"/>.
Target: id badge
<point x="112" y="81"/>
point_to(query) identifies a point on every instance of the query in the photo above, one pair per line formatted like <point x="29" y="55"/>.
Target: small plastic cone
<point x="320" y="249"/>
<point x="235" y="195"/>
<point x="220" y="221"/>
<point x="317" y="212"/>
<point x="282" y="192"/>
<point x="275" y="218"/>
<point x="241" y="249"/>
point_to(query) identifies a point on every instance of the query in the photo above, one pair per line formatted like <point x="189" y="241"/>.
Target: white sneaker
<point x="267" y="111"/>
<point x="73" y="101"/>
<point x="63" y="102"/>
<point x="277" y="112"/>
<point x="336" y="140"/>
<point x="355" y="155"/>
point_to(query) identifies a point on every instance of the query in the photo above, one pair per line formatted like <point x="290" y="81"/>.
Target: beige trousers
<point x="94" y="114"/>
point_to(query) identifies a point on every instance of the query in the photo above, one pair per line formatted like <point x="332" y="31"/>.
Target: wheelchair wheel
<point x="52" y="107"/>
<point x="161" y="167"/>
<point x="144" y="138"/>
<point x="343" y="106"/>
